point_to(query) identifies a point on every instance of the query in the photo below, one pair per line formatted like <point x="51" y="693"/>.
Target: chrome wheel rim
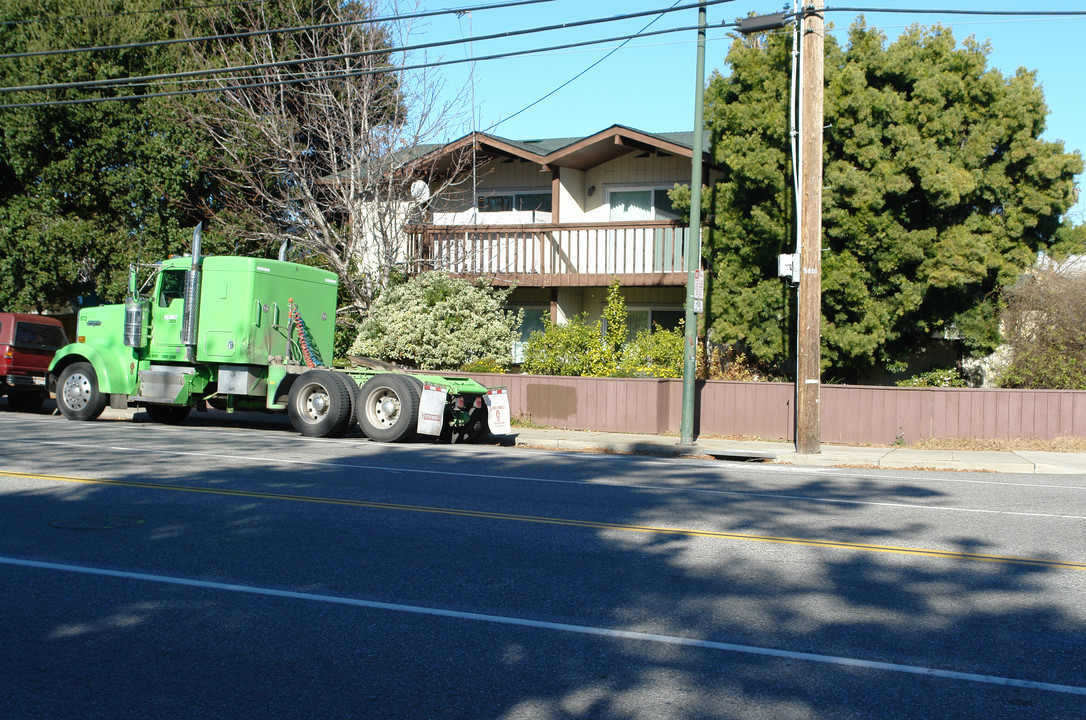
<point x="315" y="402"/>
<point x="77" y="391"/>
<point x="383" y="407"/>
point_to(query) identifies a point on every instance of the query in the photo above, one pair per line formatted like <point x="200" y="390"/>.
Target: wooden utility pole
<point x="809" y="336"/>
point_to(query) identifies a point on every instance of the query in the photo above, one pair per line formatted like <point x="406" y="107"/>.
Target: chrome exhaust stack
<point x="191" y="308"/>
<point x="137" y="314"/>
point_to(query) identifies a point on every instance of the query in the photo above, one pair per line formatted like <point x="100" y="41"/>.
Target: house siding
<point x="630" y="170"/>
<point x="573" y="252"/>
<point x="517" y="175"/>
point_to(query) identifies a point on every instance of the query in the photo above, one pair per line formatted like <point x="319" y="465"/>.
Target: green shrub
<point x="440" y="323"/>
<point x="570" y="348"/>
<point x="483" y="365"/>
<point x="948" y="377"/>
<point x="603" y="350"/>
<point x="657" y="354"/>
<point x="345" y="334"/>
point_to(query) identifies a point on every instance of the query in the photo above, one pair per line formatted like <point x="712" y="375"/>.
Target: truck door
<point x="166" y="320"/>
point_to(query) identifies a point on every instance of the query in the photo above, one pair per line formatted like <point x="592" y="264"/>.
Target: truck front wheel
<point x="318" y="404"/>
<point x="78" y="397"/>
<point x="388" y="407"/>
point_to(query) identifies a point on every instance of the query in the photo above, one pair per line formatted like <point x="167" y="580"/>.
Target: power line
<point x="625" y="38"/>
<point x="95" y="84"/>
<point x="540" y="51"/>
<point x="259" y="33"/>
<point x="348" y="74"/>
<point x="947" y="11"/>
<point x="567" y="82"/>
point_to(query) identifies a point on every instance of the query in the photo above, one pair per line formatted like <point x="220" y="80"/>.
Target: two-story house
<point x="557" y="218"/>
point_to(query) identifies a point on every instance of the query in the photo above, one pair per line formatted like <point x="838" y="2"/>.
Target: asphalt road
<point x="212" y="570"/>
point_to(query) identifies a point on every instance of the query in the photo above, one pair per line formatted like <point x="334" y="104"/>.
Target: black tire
<point x="78" y="396"/>
<point x="318" y="404"/>
<point x="388" y="407"/>
<point x="352" y="394"/>
<point x="25" y="400"/>
<point x="167" y="414"/>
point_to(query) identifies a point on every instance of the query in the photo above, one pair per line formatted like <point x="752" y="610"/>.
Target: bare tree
<point x="317" y="140"/>
<point x="1045" y="327"/>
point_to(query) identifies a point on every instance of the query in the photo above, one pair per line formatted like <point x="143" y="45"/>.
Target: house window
<point x="495" y="203"/>
<point x="538" y="201"/>
<point x="534" y="201"/>
<point x="643" y="318"/>
<point x="641" y="204"/>
<point x="661" y="205"/>
<point x="533" y="321"/>
<point x="663" y="246"/>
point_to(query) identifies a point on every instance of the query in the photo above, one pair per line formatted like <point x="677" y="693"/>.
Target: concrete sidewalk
<point x="831" y="455"/>
<point x="738" y="450"/>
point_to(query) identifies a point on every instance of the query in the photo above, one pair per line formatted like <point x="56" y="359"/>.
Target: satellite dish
<point x="420" y="191"/>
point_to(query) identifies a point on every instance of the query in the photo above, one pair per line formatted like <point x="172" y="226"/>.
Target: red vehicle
<point x="27" y="345"/>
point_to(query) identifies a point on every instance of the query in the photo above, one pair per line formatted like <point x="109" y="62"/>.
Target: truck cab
<point x="243" y="333"/>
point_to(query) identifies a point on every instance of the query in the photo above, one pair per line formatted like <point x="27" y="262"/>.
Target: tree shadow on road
<point x="571" y="540"/>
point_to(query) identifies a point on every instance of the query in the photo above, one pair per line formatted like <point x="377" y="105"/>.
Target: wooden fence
<point x="849" y="413"/>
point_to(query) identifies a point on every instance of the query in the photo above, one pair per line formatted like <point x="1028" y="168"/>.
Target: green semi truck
<point x="240" y="333"/>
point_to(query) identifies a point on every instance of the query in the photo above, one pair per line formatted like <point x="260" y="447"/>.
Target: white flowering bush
<point x="437" y="322"/>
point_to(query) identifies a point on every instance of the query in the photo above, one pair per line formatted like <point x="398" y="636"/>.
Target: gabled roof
<point x="577" y="153"/>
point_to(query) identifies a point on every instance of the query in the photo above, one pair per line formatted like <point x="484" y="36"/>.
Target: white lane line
<point x="555" y="481"/>
<point x="557" y="627"/>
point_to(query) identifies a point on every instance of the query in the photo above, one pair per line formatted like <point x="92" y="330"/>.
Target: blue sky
<point x="649" y="83"/>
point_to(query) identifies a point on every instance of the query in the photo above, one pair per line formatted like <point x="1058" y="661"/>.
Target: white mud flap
<point x="432" y="409"/>
<point x="497" y="403"/>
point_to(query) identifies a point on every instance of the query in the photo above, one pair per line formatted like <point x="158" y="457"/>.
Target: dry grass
<point x="1062" y="444"/>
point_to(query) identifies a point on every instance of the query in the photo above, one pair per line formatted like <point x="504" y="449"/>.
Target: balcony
<point x="647" y="253"/>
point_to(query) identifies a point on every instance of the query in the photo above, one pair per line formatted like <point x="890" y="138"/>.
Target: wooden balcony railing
<point x="547" y="255"/>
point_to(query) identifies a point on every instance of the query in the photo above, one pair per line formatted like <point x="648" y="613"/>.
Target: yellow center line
<point x="483" y="514"/>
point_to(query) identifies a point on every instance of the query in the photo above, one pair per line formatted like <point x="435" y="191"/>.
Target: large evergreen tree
<point x="939" y="191"/>
<point x="85" y="189"/>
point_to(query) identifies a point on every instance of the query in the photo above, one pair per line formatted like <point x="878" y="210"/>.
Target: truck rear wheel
<point x="388" y="407"/>
<point x="318" y="404"/>
<point x="351" y="387"/>
<point x="78" y="397"/>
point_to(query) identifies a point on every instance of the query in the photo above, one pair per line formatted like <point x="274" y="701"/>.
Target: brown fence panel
<point x="648" y="405"/>
<point x="849" y="413"/>
<point x="884" y="415"/>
